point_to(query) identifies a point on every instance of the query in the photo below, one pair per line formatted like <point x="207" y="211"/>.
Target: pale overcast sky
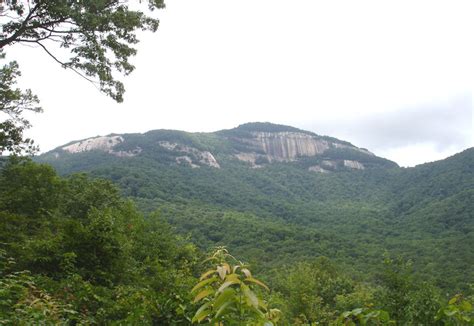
<point x="395" y="77"/>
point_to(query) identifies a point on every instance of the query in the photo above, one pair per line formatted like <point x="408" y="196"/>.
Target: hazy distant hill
<point x="276" y="194"/>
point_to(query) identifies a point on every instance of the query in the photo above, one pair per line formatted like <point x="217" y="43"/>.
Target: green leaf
<point x="254" y="280"/>
<point x="232" y="277"/>
<point x="223" y="308"/>
<point x="465" y="306"/>
<point x="206" y="274"/>
<point x="357" y="311"/>
<point x="203" y="294"/>
<point x="204" y="283"/>
<point x="227" y="284"/>
<point x="225" y="296"/>
<point x="251" y="297"/>
<point x="202" y="313"/>
<point x="453" y="300"/>
<point x="451" y="312"/>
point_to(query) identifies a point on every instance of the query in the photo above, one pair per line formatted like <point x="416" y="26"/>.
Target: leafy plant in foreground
<point x="458" y="311"/>
<point x="227" y="296"/>
<point x="364" y="316"/>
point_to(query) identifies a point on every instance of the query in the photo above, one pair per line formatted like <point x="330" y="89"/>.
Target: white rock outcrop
<point x="354" y="165"/>
<point x="203" y="157"/>
<point x="102" y="143"/>
<point x="287" y="146"/>
<point x="317" y="168"/>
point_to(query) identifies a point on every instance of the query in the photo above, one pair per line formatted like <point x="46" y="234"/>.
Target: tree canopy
<point x="95" y="39"/>
<point x="99" y="35"/>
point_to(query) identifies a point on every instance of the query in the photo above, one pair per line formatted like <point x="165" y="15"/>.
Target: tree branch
<point x="20" y="30"/>
<point x="65" y="65"/>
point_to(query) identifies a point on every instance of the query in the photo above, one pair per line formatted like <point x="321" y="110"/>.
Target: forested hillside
<point x="340" y="235"/>
<point x="276" y="195"/>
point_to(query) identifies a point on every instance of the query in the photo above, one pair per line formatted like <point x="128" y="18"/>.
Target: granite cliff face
<point x="289" y="146"/>
<point x="254" y="144"/>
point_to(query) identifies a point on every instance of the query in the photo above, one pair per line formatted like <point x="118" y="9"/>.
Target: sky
<point x="395" y="77"/>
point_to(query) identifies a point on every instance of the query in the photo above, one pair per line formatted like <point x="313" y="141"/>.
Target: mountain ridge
<point x="285" y="210"/>
<point x="255" y="144"/>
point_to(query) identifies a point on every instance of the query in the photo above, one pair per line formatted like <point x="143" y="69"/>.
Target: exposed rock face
<point x="329" y="164"/>
<point x="257" y="144"/>
<point x="354" y="165"/>
<point x="286" y="146"/>
<point x="203" y="157"/>
<point x="317" y="168"/>
<point x="186" y="160"/>
<point x="103" y="143"/>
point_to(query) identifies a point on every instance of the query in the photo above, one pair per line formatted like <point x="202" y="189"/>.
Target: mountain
<point x="276" y="194"/>
<point x="256" y="144"/>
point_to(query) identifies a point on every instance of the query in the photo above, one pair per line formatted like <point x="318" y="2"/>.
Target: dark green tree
<point x="99" y="37"/>
<point x="13" y="103"/>
<point x="99" y="34"/>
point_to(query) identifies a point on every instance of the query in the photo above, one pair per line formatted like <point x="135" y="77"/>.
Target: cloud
<point x="443" y="124"/>
<point x="410" y="135"/>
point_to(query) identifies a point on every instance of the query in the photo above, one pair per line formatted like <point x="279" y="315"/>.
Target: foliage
<point x="311" y="291"/>
<point x="13" y="104"/>
<point x="227" y="297"/>
<point x="458" y="311"/>
<point x="364" y="316"/>
<point x="405" y="298"/>
<point x="99" y="38"/>
<point x="23" y="302"/>
<point x="283" y="213"/>
<point x="98" y="34"/>
<point x="83" y="253"/>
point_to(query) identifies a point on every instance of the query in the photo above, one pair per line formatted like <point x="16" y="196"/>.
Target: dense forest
<point x="74" y="251"/>
<point x="282" y="212"/>
<point x="378" y="246"/>
<point x="262" y="224"/>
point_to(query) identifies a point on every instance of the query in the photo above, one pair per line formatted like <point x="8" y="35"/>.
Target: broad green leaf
<point x="384" y="316"/>
<point x="204" y="283"/>
<point x="258" y="312"/>
<point x="254" y="280"/>
<point x="227" y="284"/>
<point x="202" y="313"/>
<point x="346" y="314"/>
<point x="251" y="297"/>
<point x="223" y="308"/>
<point x="453" y="300"/>
<point x="232" y="277"/>
<point x="451" y="312"/>
<point x="206" y="274"/>
<point x="225" y="296"/>
<point x="465" y="306"/>
<point x="357" y="311"/>
<point x="203" y="294"/>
